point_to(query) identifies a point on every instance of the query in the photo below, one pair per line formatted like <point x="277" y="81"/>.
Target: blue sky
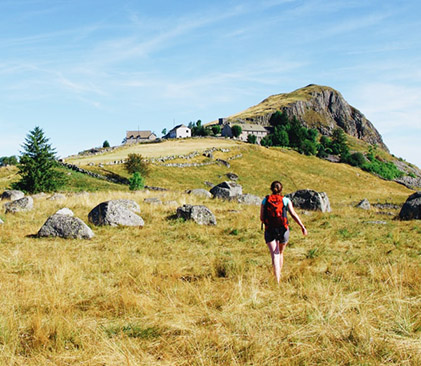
<point x="86" y="70"/>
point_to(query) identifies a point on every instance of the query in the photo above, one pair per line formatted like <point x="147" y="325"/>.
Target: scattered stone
<point x="171" y="203"/>
<point x="364" y="204"/>
<point x="386" y="206"/>
<point x="333" y="158"/>
<point x="223" y="162"/>
<point x="411" y="210"/>
<point x="12" y="195"/>
<point x="308" y="199"/>
<point x="226" y="190"/>
<point x="57" y="197"/>
<point x="208" y="155"/>
<point x="22" y="204"/>
<point x="1" y="221"/>
<point x="232" y="176"/>
<point x="200" y="192"/>
<point x="65" y="226"/>
<point x="376" y="222"/>
<point x="114" y="213"/>
<point x="199" y="214"/>
<point x="249" y="199"/>
<point x="65" y="211"/>
<point x="153" y="201"/>
<point x="39" y="195"/>
<point x="209" y="184"/>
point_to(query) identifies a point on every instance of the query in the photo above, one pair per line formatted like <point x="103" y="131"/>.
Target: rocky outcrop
<point x="12" y="195"/>
<point x="226" y="190"/>
<point x="63" y="225"/>
<point x="411" y="210"/>
<point x="199" y="214"/>
<point x="308" y="199"/>
<point x="317" y="107"/>
<point x="114" y="213"/>
<point x="22" y="204"/>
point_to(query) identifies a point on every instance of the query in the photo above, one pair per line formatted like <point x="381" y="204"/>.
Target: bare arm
<point x="261" y="213"/>
<point x="296" y="218"/>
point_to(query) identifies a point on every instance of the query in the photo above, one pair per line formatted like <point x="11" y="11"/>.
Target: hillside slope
<point x="315" y="106"/>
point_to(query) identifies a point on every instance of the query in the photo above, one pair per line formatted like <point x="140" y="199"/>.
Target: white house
<point x="246" y="129"/>
<point x="179" y="132"/>
<point x="139" y="136"/>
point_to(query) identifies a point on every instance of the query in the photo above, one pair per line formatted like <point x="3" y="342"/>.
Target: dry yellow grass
<point x="153" y="150"/>
<point x="176" y="293"/>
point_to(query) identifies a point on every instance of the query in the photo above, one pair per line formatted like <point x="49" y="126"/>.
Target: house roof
<point x="177" y="127"/>
<point x="138" y="134"/>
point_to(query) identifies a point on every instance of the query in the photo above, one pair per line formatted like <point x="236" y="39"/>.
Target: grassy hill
<point x="176" y="293"/>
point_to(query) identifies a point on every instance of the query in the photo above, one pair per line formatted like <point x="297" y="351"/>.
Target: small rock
<point x="232" y="176"/>
<point x="23" y="204"/>
<point x="308" y="199"/>
<point x="12" y="195"/>
<point x="226" y="190"/>
<point x="364" y="204"/>
<point x="223" y="162"/>
<point x="200" y="192"/>
<point x="65" y="226"/>
<point x="199" y="214"/>
<point x="1" y="221"/>
<point x="249" y="199"/>
<point x="153" y="201"/>
<point x="65" y="211"/>
<point x="411" y="210"/>
<point x="57" y="197"/>
<point x="114" y="213"/>
<point x="376" y="222"/>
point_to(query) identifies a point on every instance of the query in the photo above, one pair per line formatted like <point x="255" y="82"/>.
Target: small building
<point x="179" y="132"/>
<point x="139" y="136"/>
<point x="247" y="129"/>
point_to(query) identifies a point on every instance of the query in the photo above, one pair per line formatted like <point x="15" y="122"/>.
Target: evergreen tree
<point x="106" y="144"/>
<point x="38" y="165"/>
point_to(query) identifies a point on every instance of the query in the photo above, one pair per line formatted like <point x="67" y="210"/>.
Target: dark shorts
<point x="271" y="235"/>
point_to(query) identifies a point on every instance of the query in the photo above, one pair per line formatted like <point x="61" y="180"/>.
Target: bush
<point x="136" y="182"/>
<point x="136" y="163"/>
<point x="387" y="170"/>
<point x="8" y="160"/>
<point x="308" y="147"/>
<point x="251" y="139"/>
<point x="106" y="144"/>
<point x="356" y="159"/>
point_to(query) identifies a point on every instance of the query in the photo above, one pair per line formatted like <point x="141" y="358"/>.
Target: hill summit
<point x="315" y="106"/>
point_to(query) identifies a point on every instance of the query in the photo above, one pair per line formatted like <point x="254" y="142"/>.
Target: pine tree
<point x="38" y="165"/>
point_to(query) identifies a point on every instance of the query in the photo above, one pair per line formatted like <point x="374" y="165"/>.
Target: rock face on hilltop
<point x="317" y="107"/>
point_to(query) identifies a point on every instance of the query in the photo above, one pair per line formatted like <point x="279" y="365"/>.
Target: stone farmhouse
<point x="178" y="132"/>
<point x="247" y="129"/>
<point x="139" y="136"/>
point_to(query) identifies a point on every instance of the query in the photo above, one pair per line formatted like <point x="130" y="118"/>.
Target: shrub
<point x="136" y="163"/>
<point x="251" y="139"/>
<point x="136" y="182"/>
<point x="106" y="144"/>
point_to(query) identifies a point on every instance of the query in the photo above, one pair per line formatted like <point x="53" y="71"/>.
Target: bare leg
<point x="276" y="258"/>
<point x="281" y="255"/>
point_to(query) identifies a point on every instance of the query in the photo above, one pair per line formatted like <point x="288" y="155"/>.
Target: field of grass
<point x="176" y="293"/>
<point x="154" y="150"/>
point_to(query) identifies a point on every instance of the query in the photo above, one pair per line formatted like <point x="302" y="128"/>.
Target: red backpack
<point x="275" y="213"/>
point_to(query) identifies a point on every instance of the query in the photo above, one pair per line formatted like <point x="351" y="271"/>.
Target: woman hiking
<point x="273" y="213"/>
